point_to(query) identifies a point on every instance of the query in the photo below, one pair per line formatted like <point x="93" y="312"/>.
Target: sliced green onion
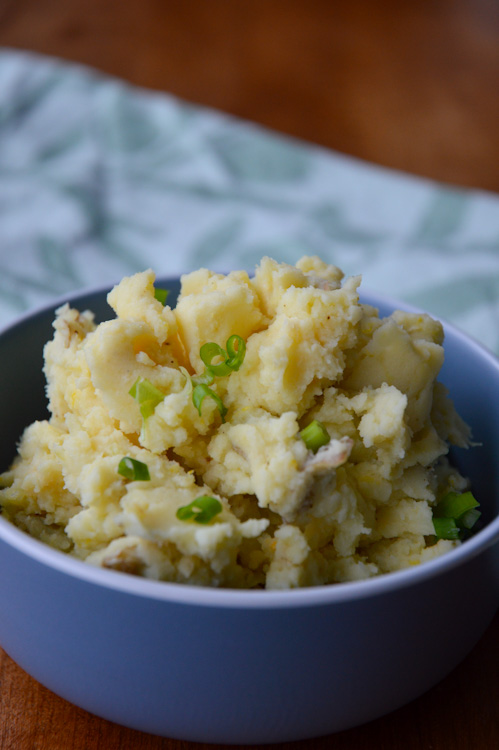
<point x="232" y="358"/>
<point x="208" y="352"/>
<point x="199" y="393"/>
<point x="202" y="510"/>
<point x="468" y="519"/>
<point x="455" y="515"/>
<point x="236" y="355"/>
<point x="132" y="469"/>
<point x="147" y="396"/>
<point x="205" y="378"/>
<point x="314" y="435"/>
<point x="231" y="361"/>
<point x="161" y="295"/>
<point x="454" y="504"/>
<point x="446" y="528"/>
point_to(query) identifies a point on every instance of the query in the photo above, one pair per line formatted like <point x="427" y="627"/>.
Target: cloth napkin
<point x="99" y="179"/>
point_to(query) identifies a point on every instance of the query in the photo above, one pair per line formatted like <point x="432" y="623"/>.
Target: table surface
<point x="411" y="86"/>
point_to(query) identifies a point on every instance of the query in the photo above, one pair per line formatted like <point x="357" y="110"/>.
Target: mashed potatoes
<point x="278" y="513"/>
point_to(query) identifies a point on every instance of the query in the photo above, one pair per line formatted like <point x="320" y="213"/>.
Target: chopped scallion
<point x="205" y="378"/>
<point x="199" y="393"/>
<point x="468" y="519"/>
<point x="315" y="435"/>
<point x="236" y="354"/>
<point x="454" y="504"/>
<point x="231" y="360"/>
<point x="202" y="510"/>
<point x="147" y="396"/>
<point x="455" y="515"/>
<point x="446" y="528"/>
<point x="132" y="469"/>
<point x="208" y="352"/>
<point x="161" y="295"/>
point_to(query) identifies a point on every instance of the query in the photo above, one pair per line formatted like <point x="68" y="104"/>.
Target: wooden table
<point x="409" y="85"/>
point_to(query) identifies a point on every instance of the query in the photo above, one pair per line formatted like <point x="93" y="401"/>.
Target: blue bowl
<point x="243" y="667"/>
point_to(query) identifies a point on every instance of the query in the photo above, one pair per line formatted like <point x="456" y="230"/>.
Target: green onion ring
<point x="446" y="528"/>
<point x="161" y="295"/>
<point x="147" y="396"/>
<point x="134" y="470"/>
<point x="202" y="510"/>
<point x="315" y="435"/>
<point x="208" y="352"/>
<point x="236" y="356"/>
<point x="200" y="392"/>
<point x="454" y="504"/>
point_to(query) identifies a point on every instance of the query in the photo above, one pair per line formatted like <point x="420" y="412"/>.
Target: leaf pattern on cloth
<point x="333" y="221"/>
<point x="445" y="215"/>
<point x="255" y="155"/>
<point x="55" y="258"/>
<point x="99" y="179"/>
<point x="223" y="237"/>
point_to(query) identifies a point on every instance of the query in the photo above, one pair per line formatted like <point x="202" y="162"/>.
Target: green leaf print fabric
<point x="99" y="179"/>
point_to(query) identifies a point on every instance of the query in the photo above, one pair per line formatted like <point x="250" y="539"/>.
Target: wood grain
<point x="409" y="85"/>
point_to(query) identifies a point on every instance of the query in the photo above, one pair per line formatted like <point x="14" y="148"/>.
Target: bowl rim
<point x="196" y="595"/>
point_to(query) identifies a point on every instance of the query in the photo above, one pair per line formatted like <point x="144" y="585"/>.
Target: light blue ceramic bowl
<point x="239" y="667"/>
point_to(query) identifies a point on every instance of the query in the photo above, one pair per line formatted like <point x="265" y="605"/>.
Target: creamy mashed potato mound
<point x="287" y="516"/>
